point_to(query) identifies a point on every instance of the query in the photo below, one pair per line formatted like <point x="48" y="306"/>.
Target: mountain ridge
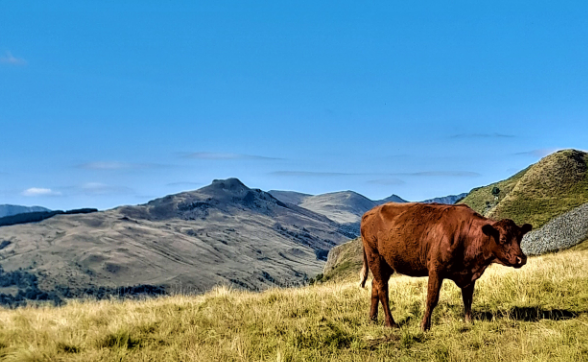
<point x="9" y="209"/>
<point x="224" y="233"/>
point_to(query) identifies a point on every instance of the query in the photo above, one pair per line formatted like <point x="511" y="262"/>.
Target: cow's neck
<point x="479" y="254"/>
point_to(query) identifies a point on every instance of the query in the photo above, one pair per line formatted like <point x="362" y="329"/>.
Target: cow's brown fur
<point x="439" y="241"/>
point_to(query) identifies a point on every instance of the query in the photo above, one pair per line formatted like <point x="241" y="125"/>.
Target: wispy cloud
<point x="440" y="174"/>
<point x="482" y="135"/>
<point x="39" y="191"/>
<point x="387" y="181"/>
<point x="541" y="152"/>
<point x="115" y="165"/>
<point x="184" y="184"/>
<point x="311" y="174"/>
<point x="415" y="174"/>
<point x="10" y="59"/>
<point x="98" y="188"/>
<point x="225" y="156"/>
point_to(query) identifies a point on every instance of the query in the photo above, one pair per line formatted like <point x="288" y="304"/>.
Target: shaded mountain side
<point x="9" y="210"/>
<point x="37" y="216"/>
<point x="554" y="185"/>
<point x="225" y="233"/>
<point x="449" y="200"/>
<point x="391" y="198"/>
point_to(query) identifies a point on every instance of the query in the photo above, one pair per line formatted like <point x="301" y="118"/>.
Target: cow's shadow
<point x="527" y="314"/>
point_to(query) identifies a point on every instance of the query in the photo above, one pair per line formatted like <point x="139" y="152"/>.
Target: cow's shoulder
<point x="391" y="210"/>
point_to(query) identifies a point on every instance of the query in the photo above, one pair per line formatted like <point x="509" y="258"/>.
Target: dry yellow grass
<point x="538" y="313"/>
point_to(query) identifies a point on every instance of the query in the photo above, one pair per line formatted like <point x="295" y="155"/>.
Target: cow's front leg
<point x="433" y="289"/>
<point x="467" y="294"/>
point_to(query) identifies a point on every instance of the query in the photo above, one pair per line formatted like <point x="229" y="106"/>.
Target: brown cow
<point x="438" y="241"/>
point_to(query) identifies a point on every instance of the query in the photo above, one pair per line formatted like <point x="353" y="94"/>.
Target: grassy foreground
<point x="538" y="313"/>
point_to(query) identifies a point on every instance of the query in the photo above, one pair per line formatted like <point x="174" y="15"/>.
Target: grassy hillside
<point x="549" y="188"/>
<point x="537" y="313"/>
<point x="344" y="261"/>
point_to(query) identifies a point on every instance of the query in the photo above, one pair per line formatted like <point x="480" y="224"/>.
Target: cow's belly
<point x="411" y="266"/>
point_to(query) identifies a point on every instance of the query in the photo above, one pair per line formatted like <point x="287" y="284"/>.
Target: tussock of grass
<point x="537" y="313"/>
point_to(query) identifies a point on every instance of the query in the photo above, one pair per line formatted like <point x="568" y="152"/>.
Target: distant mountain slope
<point x="9" y="210"/>
<point x="449" y="200"/>
<point x="290" y="197"/>
<point x="549" y="188"/>
<point x="391" y="198"/>
<point x="344" y="207"/>
<point x="225" y="233"/>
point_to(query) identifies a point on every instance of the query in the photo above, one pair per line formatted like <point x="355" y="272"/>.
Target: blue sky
<point x="104" y="104"/>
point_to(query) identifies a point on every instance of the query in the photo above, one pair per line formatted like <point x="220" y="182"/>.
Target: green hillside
<point x="549" y="188"/>
<point x="344" y="261"/>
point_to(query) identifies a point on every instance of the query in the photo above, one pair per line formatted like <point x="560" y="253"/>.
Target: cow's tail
<point x="363" y="274"/>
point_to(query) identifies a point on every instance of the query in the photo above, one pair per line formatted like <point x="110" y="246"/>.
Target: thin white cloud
<point x="115" y="165"/>
<point x="8" y="58"/>
<point x="387" y="181"/>
<point x="184" y="183"/>
<point x="311" y="174"/>
<point x="482" y="135"/>
<point x="225" y="156"/>
<point x="540" y="152"/>
<point x="98" y="188"/>
<point x="441" y="174"/>
<point x="392" y="181"/>
<point x="39" y="191"/>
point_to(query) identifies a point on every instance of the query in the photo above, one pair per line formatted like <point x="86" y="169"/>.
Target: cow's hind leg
<point x="382" y="272"/>
<point x="375" y="301"/>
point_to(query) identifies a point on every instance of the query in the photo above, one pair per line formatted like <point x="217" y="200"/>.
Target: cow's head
<point x="506" y="237"/>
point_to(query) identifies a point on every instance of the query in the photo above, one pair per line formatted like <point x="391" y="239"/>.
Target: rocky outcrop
<point x="560" y="233"/>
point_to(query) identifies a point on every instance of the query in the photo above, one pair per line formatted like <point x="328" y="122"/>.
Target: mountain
<point x="343" y="207"/>
<point x="290" y="197"/>
<point x="224" y="233"/>
<point x="449" y="200"/>
<point x="549" y="188"/>
<point x="9" y="210"/>
<point x="391" y="198"/>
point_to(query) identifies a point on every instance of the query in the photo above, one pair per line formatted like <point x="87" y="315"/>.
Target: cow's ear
<point x="526" y="228"/>
<point x="491" y="231"/>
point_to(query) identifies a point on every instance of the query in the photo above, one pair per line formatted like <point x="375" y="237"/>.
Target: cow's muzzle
<point x="520" y="261"/>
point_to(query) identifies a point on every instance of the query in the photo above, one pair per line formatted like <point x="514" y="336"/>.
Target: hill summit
<point x="537" y="194"/>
